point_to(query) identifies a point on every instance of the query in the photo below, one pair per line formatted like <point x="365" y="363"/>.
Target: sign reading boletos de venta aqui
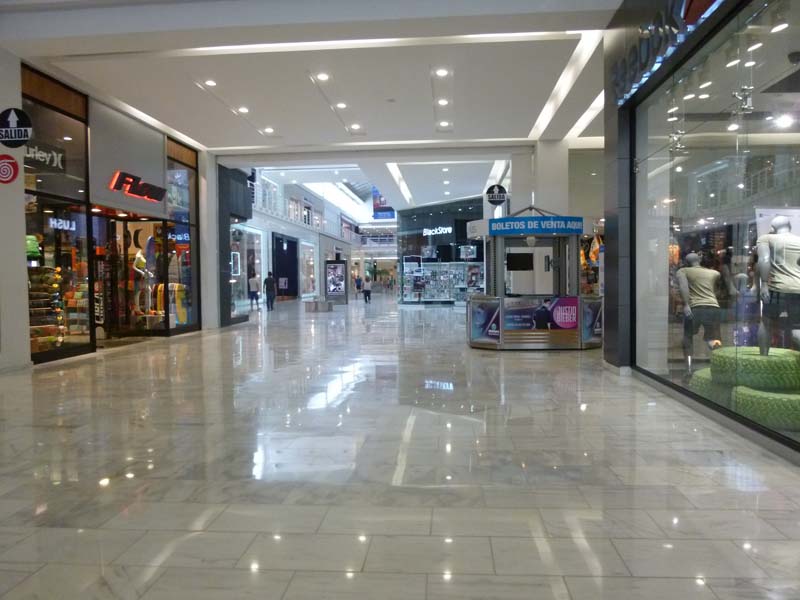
<point x="546" y="225"/>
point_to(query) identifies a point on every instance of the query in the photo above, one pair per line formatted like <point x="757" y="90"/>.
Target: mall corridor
<point x="369" y="453"/>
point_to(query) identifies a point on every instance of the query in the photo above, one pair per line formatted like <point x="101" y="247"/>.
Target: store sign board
<point x="547" y="225"/>
<point x="45" y="158"/>
<point x="15" y="127"/>
<point x="437" y="231"/>
<point x="496" y="195"/>
<point x="657" y="40"/>
<point x="9" y="168"/>
<point x="132" y="185"/>
<point x="62" y="224"/>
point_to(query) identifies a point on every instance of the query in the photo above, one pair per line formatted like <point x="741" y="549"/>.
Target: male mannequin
<point x="779" y="280"/>
<point x="140" y="281"/>
<point x="698" y="288"/>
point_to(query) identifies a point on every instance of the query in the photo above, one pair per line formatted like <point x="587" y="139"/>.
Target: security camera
<point x="794" y="58"/>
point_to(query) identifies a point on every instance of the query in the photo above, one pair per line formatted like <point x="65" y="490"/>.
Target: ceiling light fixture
<point x="704" y="96"/>
<point x="243" y="110"/>
<point x="444" y="124"/>
<point x="447" y="194"/>
<point x="679" y="169"/>
<point x="294" y="181"/>
<point x="672" y="109"/>
<point x="750" y="63"/>
<point x="269" y="130"/>
<point x="672" y="119"/>
<point x="67" y="138"/>
<point x="341" y="105"/>
<point x="689" y="96"/>
<point x="344" y="179"/>
<point x="705" y="84"/>
<point x="446" y="182"/>
<point x="754" y="46"/>
<point x="784" y="121"/>
<point x="442" y="72"/>
<point x="733" y="126"/>
<point x="445" y="169"/>
<point x="778" y="23"/>
<point x="211" y="83"/>
<point x="442" y="102"/>
<point x="355" y="126"/>
<point x="323" y="77"/>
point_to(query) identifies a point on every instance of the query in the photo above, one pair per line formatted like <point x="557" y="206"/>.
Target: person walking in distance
<point x="358" y="283"/>
<point x="270" y="291"/>
<point x="254" y="287"/>
<point x="367" y="288"/>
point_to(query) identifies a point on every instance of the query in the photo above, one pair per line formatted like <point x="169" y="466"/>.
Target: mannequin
<point x="778" y="272"/>
<point x="698" y="288"/>
<point x="141" y="282"/>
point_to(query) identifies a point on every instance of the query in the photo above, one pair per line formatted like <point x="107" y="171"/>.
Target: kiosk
<point x="535" y="303"/>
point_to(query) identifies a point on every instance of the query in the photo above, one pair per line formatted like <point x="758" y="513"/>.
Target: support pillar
<point x="209" y="236"/>
<point x="552" y="176"/>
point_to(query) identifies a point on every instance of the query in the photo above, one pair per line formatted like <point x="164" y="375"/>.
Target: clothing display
<point x="45" y="308"/>
<point x="703" y="283"/>
<point x="784" y="251"/>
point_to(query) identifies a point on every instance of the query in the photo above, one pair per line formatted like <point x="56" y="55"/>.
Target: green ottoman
<point x="744" y="366"/>
<point x="702" y="384"/>
<point x="772" y="409"/>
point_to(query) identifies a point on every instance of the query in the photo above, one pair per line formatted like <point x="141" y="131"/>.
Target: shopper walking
<point x="253" y="287"/>
<point x="270" y="291"/>
<point x="367" y="291"/>
<point x="359" y="283"/>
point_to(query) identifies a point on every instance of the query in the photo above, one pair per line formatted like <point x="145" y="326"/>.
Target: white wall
<point x="14" y="324"/>
<point x="585" y="189"/>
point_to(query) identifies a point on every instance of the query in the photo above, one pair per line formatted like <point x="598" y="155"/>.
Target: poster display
<point x="335" y="279"/>
<point x="485" y="320"/>
<point x="592" y="329"/>
<point x="528" y="313"/>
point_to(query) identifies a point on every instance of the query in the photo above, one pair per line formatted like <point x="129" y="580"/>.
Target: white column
<point x="14" y="324"/>
<point x="521" y="180"/>
<point x="551" y="175"/>
<point x="209" y="240"/>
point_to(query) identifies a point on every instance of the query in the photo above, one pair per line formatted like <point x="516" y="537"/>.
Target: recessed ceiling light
<point x="679" y="169"/>
<point x="441" y="72"/>
<point x="594" y="173"/>
<point x="732" y="63"/>
<point x="444" y="123"/>
<point x="341" y="105"/>
<point x="344" y="179"/>
<point x="210" y="83"/>
<point x="123" y="215"/>
<point x="336" y="172"/>
<point x="704" y="96"/>
<point x="750" y="63"/>
<point x="269" y="130"/>
<point x="67" y="138"/>
<point x="80" y="191"/>
<point x="355" y="126"/>
<point x="443" y="102"/>
<point x="770" y="117"/>
<point x="446" y="182"/>
<point x="294" y="180"/>
<point x="243" y="110"/>
<point x="755" y="46"/>
<point x="740" y="186"/>
<point x="445" y="169"/>
<point x="784" y="121"/>
<point x="447" y="194"/>
<point x="672" y="109"/>
<point x="97" y="210"/>
<point x="48" y="211"/>
<point x="283" y="173"/>
<point x="323" y="76"/>
<point x="778" y="24"/>
<point x="733" y="127"/>
<point x="705" y="84"/>
<point x="688" y="96"/>
<point x="672" y="119"/>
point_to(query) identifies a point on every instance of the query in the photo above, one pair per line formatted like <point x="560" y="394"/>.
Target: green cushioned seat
<point x="744" y="365"/>
<point x="772" y="409"/>
<point x="703" y="385"/>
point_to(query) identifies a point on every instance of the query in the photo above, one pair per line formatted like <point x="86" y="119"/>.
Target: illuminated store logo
<point x="657" y="41"/>
<point x="437" y="231"/>
<point x="62" y="224"/>
<point x="133" y="186"/>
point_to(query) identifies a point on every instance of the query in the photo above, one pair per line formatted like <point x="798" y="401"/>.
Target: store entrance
<point x="130" y="265"/>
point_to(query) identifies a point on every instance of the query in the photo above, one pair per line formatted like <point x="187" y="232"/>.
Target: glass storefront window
<point x="58" y="275"/>
<point x="181" y="192"/>
<point x="245" y="264"/>
<point x="717" y="225"/>
<point x="182" y="276"/>
<point x="55" y="157"/>
<point x="307" y="270"/>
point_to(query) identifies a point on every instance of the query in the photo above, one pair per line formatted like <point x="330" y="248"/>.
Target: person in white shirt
<point x="253" y="287"/>
<point x="367" y="289"/>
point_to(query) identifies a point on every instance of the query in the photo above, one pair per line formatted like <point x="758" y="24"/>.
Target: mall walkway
<point x="368" y="453"/>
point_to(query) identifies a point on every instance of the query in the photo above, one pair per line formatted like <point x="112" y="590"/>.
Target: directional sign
<point x="496" y="195"/>
<point x="15" y="127"/>
<point x="9" y="168"/>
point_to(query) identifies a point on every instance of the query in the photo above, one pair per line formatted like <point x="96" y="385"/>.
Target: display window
<point x="181" y="192"/>
<point x="717" y="221"/>
<point x="58" y="277"/>
<point x="245" y="265"/>
<point x="308" y="269"/>
<point x="55" y="157"/>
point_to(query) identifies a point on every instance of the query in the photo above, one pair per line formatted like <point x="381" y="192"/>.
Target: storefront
<point x="437" y="261"/>
<point x="109" y="229"/>
<point x="707" y="224"/>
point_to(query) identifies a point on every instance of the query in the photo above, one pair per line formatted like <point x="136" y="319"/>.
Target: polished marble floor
<point x="368" y="453"/>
